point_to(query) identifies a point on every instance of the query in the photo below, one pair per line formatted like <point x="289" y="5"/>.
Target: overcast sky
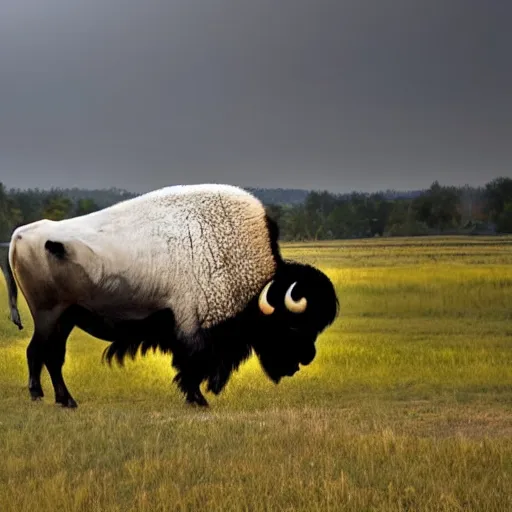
<point x="318" y="94"/>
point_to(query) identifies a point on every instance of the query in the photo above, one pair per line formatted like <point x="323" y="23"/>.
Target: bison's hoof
<point x="204" y="404"/>
<point x="197" y="400"/>
<point x="68" y="403"/>
<point x="36" y="394"/>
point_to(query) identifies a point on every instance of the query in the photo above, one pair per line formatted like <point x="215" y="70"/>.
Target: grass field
<point x="408" y="405"/>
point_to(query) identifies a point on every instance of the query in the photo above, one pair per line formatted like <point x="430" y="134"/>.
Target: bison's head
<point x="293" y="308"/>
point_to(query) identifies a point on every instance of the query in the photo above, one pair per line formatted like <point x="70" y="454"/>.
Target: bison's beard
<point x="281" y="356"/>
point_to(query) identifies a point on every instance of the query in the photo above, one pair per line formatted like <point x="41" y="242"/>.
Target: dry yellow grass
<point x="408" y="405"/>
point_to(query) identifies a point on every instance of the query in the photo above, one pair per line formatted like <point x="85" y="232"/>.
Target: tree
<point x="498" y="193"/>
<point x="29" y="203"/>
<point x="339" y="221"/>
<point x="4" y="214"/>
<point x="10" y="215"/>
<point x="57" y="207"/>
<point x="379" y="210"/>
<point x="85" y="206"/>
<point x="317" y="207"/>
<point x="504" y="219"/>
<point x="438" y="207"/>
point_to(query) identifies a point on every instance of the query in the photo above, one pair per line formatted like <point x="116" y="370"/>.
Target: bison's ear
<point x="56" y="248"/>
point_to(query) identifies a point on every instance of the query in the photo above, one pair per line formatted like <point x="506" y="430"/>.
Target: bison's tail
<point x="12" y="289"/>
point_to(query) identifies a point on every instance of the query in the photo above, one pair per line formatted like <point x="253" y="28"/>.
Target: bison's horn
<point x="292" y="305"/>
<point x="265" y="307"/>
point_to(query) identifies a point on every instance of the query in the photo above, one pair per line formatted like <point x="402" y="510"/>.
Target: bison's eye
<point x="265" y="307"/>
<point x="298" y="306"/>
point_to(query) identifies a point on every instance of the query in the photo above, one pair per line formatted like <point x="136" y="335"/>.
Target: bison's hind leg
<point x="35" y="366"/>
<point x="48" y="347"/>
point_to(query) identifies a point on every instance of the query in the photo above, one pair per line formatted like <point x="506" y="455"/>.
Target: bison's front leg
<point x="189" y="383"/>
<point x="191" y="364"/>
<point x="189" y="377"/>
<point x="196" y="398"/>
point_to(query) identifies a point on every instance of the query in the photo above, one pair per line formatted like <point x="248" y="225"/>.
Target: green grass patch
<point x="408" y="405"/>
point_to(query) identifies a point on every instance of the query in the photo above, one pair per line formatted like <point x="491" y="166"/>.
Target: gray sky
<point x="321" y="94"/>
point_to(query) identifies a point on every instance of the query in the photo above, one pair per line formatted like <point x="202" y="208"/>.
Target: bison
<point x="193" y="271"/>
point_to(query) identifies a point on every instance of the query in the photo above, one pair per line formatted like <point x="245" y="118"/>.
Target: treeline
<point x="19" y="206"/>
<point x="304" y="215"/>
<point x="438" y="210"/>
